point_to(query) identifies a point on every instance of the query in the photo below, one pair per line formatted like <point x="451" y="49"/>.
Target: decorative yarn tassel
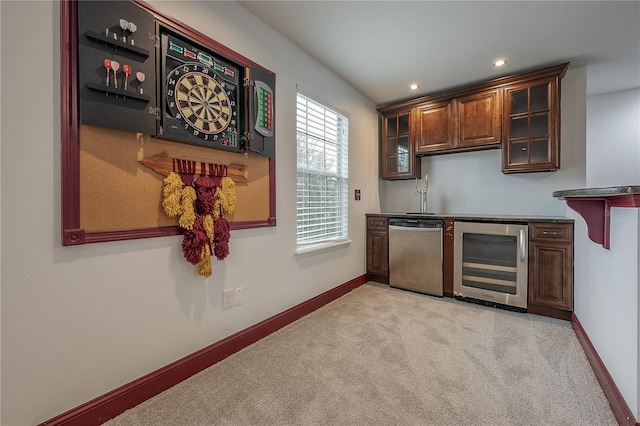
<point x="217" y="213"/>
<point x="226" y="193"/>
<point x="208" y="224"/>
<point x="205" y="268"/>
<point x="187" y="204"/>
<point x="194" y="241"/>
<point x="200" y="207"/>
<point x="206" y="191"/>
<point x="221" y="238"/>
<point x="171" y="190"/>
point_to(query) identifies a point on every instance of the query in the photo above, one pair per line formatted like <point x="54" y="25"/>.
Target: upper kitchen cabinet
<point x="434" y="126"/>
<point x="531" y="125"/>
<point x="479" y="119"/>
<point x="397" y="150"/>
<point x="463" y="123"/>
<point x="519" y="113"/>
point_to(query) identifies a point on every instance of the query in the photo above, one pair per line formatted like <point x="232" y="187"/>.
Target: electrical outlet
<point x="239" y="296"/>
<point x="227" y="298"/>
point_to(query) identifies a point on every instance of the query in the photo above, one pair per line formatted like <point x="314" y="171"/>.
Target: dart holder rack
<point x="117" y="43"/>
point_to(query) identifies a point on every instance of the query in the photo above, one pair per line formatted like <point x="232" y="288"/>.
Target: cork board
<point x="117" y="192"/>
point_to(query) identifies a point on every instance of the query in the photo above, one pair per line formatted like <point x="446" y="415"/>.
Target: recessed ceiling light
<point x="414" y="86"/>
<point x="499" y="63"/>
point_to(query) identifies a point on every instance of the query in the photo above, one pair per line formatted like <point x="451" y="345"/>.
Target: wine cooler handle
<point x="523" y="255"/>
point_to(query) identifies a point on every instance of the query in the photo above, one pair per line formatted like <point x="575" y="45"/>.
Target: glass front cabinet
<point x="531" y="127"/>
<point x="397" y="149"/>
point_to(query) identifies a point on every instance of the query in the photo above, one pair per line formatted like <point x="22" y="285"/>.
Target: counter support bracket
<point x="596" y="211"/>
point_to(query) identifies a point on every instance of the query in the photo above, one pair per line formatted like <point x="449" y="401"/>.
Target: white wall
<point x="80" y="321"/>
<point x="473" y="183"/>
<point x="613" y="132"/>
<point x="607" y="281"/>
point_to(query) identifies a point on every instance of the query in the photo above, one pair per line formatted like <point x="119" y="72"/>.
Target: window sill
<point x="320" y="247"/>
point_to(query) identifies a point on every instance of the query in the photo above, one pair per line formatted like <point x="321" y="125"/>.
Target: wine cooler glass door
<point x="491" y="262"/>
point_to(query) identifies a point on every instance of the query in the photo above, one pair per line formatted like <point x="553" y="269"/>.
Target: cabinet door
<point x="398" y="159"/>
<point x="377" y="253"/>
<point x="479" y="119"/>
<point x="434" y="127"/>
<point x="378" y="249"/>
<point x="551" y="275"/>
<point x="531" y="127"/>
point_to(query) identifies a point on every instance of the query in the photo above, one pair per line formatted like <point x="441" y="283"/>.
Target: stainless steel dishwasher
<point x="415" y="255"/>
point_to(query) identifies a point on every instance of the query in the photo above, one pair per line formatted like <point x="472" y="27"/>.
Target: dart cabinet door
<point x="263" y="112"/>
<point x="122" y="102"/>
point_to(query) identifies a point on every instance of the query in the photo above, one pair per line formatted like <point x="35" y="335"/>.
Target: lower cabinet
<point x="551" y="269"/>
<point x="550" y="282"/>
<point x="378" y="249"/>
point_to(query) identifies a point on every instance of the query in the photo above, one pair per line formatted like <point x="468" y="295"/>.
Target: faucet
<point x="423" y="199"/>
<point x="423" y="194"/>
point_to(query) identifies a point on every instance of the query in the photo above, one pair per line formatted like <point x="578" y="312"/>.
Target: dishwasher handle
<point x="411" y="229"/>
<point x="416" y="223"/>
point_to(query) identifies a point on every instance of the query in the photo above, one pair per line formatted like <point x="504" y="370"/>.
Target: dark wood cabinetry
<point x="550" y="264"/>
<point x="397" y="149"/>
<point x="532" y="127"/>
<point x="434" y="127"/>
<point x="378" y="249"/>
<point x="479" y="119"/>
<point x="468" y="122"/>
<point x="551" y="269"/>
<point x="519" y="113"/>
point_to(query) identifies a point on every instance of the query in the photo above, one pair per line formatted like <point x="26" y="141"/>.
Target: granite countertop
<point x="476" y="217"/>
<point x="611" y="191"/>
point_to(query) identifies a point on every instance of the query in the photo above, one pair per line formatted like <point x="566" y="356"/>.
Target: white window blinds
<point x="322" y="190"/>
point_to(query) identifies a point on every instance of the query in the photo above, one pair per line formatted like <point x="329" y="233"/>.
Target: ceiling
<point x="380" y="47"/>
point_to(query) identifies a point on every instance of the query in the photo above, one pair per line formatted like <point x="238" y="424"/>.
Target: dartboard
<point x="202" y="101"/>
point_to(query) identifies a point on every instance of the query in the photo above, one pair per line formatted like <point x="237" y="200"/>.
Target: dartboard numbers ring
<point x="199" y="98"/>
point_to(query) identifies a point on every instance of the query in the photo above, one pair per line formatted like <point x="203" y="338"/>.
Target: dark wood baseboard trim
<point x="620" y="409"/>
<point x="111" y="404"/>
<point x="549" y="312"/>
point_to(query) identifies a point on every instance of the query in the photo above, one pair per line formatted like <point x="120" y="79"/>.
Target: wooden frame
<point x="72" y="233"/>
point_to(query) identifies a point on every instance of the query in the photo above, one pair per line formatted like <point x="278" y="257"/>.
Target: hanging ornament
<point x="187" y="205"/>
<point x="206" y="192"/>
<point x="227" y="195"/>
<point x="171" y="190"/>
<point x="194" y="241"/>
<point x="221" y="238"/>
<point x="205" y="268"/>
<point x="200" y="205"/>
<point x="208" y="225"/>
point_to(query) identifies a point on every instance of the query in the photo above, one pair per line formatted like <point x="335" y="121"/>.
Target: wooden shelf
<point x="594" y="205"/>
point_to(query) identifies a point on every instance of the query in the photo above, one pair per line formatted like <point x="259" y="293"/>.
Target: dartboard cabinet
<point x="138" y="73"/>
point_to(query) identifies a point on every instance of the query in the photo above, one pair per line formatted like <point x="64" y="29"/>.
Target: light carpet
<point x="381" y="356"/>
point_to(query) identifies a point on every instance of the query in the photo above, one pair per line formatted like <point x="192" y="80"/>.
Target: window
<point x="322" y="188"/>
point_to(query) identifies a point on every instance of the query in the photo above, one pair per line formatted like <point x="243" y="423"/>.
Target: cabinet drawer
<point x="377" y="223"/>
<point x="551" y="232"/>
